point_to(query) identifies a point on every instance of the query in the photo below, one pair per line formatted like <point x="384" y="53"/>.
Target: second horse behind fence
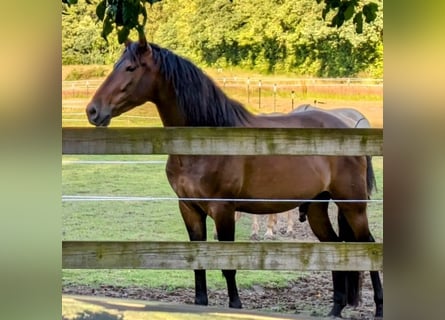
<point x="271" y="225"/>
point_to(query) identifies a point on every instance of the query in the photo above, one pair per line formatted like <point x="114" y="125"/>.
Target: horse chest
<point x="202" y="176"/>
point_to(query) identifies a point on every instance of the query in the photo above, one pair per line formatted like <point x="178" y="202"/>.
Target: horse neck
<point x="167" y="107"/>
<point x="172" y="115"/>
<point x="185" y="96"/>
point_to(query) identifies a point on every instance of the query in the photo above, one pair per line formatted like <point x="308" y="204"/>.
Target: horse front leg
<point x="195" y="222"/>
<point x="225" y="225"/>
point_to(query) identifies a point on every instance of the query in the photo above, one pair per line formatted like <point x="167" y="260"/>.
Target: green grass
<point x="375" y="210"/>
<point x="150" y="221"/>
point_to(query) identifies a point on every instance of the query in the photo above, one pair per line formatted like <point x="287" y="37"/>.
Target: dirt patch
<point x="310" y="295"/>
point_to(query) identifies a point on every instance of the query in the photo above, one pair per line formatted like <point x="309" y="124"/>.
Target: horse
<point x="271" y="226"/>
<point x="186" y="97"/>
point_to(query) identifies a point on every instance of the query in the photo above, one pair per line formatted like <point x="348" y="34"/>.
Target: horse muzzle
<point x="97" y="116"/>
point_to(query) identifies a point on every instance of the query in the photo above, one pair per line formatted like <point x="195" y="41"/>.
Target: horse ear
<point x="142" y="42"/>
<point x="148" y="49"/>
<point x="144" y="46"/>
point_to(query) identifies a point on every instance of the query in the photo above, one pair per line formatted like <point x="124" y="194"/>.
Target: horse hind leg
<point x="353" y="278"/>
<point x="302" y="210"/>
<point x="318" y="218"/>
<point x="378" y="290"/>
<point x="237" y="217"/>
<point x="353" y="225"/>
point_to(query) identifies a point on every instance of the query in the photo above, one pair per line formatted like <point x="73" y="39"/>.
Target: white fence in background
<point x="87" y="85"/>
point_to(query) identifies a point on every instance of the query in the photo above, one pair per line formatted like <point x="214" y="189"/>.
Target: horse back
<point x="352" y="117"/>
<point x="309" y="119"/>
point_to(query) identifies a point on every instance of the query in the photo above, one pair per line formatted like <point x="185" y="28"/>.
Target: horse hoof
<point x="269" y="237"/>
<point x="235" y="304"/>
<point x="378" y="312"/>
<point x="254" y="237"/>
<point x="336" y="311"/>
<point x="201" y="301"/>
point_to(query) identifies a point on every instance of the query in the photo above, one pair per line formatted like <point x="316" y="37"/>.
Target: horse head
<point x="130" y="84"/>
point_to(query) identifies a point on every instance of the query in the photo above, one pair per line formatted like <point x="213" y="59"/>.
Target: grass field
<point x="161" y="220"/>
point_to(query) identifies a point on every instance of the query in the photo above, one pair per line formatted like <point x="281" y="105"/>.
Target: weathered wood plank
<point x="222" y="255"/>
<point x="222" y="141"/>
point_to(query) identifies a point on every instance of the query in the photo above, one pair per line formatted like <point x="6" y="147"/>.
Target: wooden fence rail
<point x="222" y="141"/>
<point x="222" y="255"/>
<point x="304" y="256"/>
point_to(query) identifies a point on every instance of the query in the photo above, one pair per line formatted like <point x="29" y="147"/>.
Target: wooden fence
<point x="252" y="90"/>
<point x="222" y="255"/>
<point x="89" y="86"/>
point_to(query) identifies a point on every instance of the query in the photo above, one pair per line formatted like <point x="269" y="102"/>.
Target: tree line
<point x="280" y="36"/>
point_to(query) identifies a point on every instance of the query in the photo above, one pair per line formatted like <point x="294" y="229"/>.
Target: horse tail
<point x="353" y="278"/>
<point x="371" y="183"/>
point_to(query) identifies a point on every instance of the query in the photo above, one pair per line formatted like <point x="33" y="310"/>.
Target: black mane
<point x="200" y="100"/>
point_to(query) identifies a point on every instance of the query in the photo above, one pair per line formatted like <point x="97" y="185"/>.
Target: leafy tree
<point x="274" y="36"/>
<point x="344" y="10"/>
<point x="127" y="15"/>
<point x="81" y="40"/>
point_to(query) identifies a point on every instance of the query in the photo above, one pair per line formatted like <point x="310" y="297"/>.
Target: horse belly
<point x="266" y="207"/>
<point x="282" y="178"/>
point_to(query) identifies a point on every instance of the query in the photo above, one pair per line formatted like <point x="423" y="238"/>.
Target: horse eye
<point x="130" y="68"/>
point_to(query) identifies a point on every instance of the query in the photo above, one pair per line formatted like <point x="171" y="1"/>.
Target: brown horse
<point x="185" y="96"/>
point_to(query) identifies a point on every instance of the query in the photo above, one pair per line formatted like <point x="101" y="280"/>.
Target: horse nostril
<point x="92" y="113"/>
<point x="91" y="110"/>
